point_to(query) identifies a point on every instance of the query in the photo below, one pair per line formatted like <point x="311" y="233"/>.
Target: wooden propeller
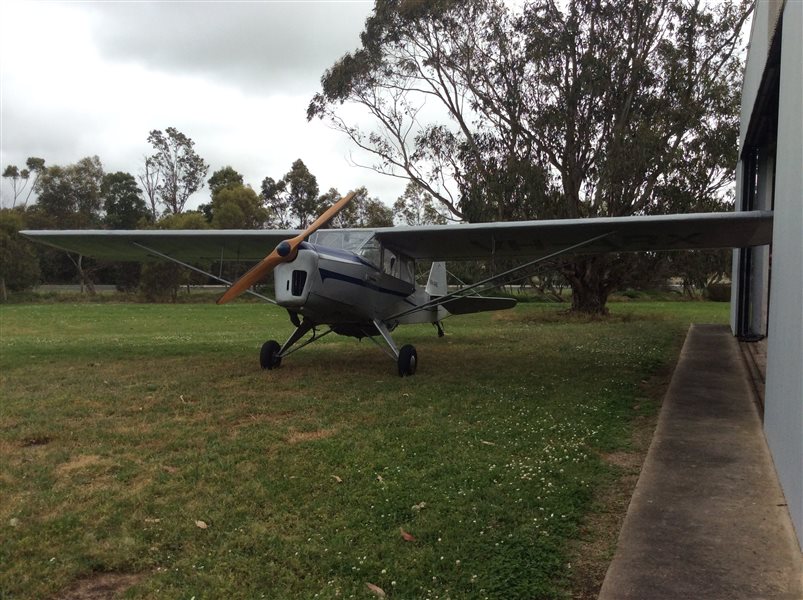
<point x="285" y="251"/>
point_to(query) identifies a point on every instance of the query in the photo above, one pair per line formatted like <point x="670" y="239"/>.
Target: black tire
<point x="408" y="360"/>
<point x="269" y="355"/>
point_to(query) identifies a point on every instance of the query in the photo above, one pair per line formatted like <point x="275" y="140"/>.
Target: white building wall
<point x="758" y="49"/>
<point x="783" y="413"/>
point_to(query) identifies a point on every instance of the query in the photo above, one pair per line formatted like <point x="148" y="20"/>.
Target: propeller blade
<point x="284" y="252"/>
<point x="325" y="217"/>
<point x="255" y="274"/>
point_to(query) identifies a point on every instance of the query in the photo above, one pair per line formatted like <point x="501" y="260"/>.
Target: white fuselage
<point x="340" y="287"/>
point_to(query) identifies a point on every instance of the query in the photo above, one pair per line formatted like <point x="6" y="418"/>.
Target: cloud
<point x="83" y="79"/>
<point x="266" y="46"/>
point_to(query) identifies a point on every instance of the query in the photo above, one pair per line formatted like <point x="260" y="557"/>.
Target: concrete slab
<point x="707" y="518"/>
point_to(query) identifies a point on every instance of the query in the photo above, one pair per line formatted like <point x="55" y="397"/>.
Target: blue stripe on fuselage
<point x="327" y="274"/>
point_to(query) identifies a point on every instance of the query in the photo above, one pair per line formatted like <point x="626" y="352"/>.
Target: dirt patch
<point x="262" y="418"/>
<point x="599" y="533"/>
<point x="82" y="461"/>
<point x="593" y="550"/>
<point x="102" y="586"/>
<point x="37" y="440"/>
<point x="309" y="436"/>
<point x="624" y="460"/>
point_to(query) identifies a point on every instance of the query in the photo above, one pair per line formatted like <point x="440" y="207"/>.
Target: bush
<point x="159" y="282"/>
<point x="719" y="292"/>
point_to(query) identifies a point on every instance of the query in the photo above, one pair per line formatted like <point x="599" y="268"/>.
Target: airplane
<point x="361" y="282"/>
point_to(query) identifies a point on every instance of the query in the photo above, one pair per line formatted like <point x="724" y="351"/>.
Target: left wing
<point x="617" y="234"/>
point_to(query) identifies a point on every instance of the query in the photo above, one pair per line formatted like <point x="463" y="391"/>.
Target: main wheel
<point x="408" y="358"/>
<point x="269" y="355"/>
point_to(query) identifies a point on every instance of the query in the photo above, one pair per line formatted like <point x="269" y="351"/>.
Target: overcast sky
<point x="93" y="78"/>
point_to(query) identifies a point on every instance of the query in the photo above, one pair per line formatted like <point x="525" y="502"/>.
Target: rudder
<point x="436" y="284"/>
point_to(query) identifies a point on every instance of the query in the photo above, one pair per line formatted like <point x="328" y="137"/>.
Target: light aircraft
<point x="361" y="282"/>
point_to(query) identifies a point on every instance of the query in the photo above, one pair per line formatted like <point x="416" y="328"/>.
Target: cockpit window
<point x="371" y="251"/>
<point x="398" y="265"/>
<point x="341" y="239"/>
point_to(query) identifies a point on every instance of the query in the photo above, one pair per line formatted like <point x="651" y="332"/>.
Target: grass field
<point x="144" y="440"/>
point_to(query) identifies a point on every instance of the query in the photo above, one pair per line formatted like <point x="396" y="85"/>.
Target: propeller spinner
<point x="285" y="251"/>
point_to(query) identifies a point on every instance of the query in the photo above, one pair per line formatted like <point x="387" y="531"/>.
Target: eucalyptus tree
<point x="223" y="178"/>
<point x="150" y="178"/>
<point x="302" y="189"/>
<point x="276" y="202"/>
<point x="293" y="200"/>
<point x="71" y="195"/>
<point x="20" y="179"/>
<point x="234" y="205"/>
<point x="238" y="207"/>
<point x="417" y="207"/>
<point x="547" y="109"/>
<point x="123" y="205"/>
<point x="174" y="172"/>
<point x="362" y="211"/>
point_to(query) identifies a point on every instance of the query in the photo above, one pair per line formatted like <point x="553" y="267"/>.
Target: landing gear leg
<point x="271" y="354"/>
<point x="406" y="358"/>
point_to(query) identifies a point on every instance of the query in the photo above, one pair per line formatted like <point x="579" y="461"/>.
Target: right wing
<point x="189" y="245"/>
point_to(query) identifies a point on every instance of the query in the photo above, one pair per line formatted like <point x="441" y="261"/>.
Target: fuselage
<point x="345" y="289"/>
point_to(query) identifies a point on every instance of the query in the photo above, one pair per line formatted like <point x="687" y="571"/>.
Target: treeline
<point x="539" y="109"/>
<point x="84" y="196"/>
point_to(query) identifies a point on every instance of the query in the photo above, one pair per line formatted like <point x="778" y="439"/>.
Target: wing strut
<point x="197" y="270"/>
<point x="445" y="298"/>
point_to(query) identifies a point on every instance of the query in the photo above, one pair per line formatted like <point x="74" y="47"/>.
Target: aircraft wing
<point x="438" y="242"/>
<point x="534" y="238"/>
<point x="187" y="245"/>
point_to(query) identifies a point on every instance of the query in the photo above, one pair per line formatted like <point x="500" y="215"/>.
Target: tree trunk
<point x="588" y="276"/>
<point x="86" y="282"/>
<point x="3" y="291"/>
<point x="589" y="299"/>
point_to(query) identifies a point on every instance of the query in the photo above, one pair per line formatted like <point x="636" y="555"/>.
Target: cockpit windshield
<point x="341" y="239"/>
<point x="363" y="243"/>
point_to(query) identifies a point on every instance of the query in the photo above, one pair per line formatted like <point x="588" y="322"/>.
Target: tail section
<point x="436" y="284"/>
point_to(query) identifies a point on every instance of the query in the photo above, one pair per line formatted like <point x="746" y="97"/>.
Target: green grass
<point x="122" y="425"/>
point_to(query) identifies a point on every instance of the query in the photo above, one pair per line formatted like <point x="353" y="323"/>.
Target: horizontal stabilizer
<point x="472" y="304"/>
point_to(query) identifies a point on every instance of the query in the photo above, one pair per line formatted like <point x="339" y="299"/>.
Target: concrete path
<point x="707" y="519"/>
